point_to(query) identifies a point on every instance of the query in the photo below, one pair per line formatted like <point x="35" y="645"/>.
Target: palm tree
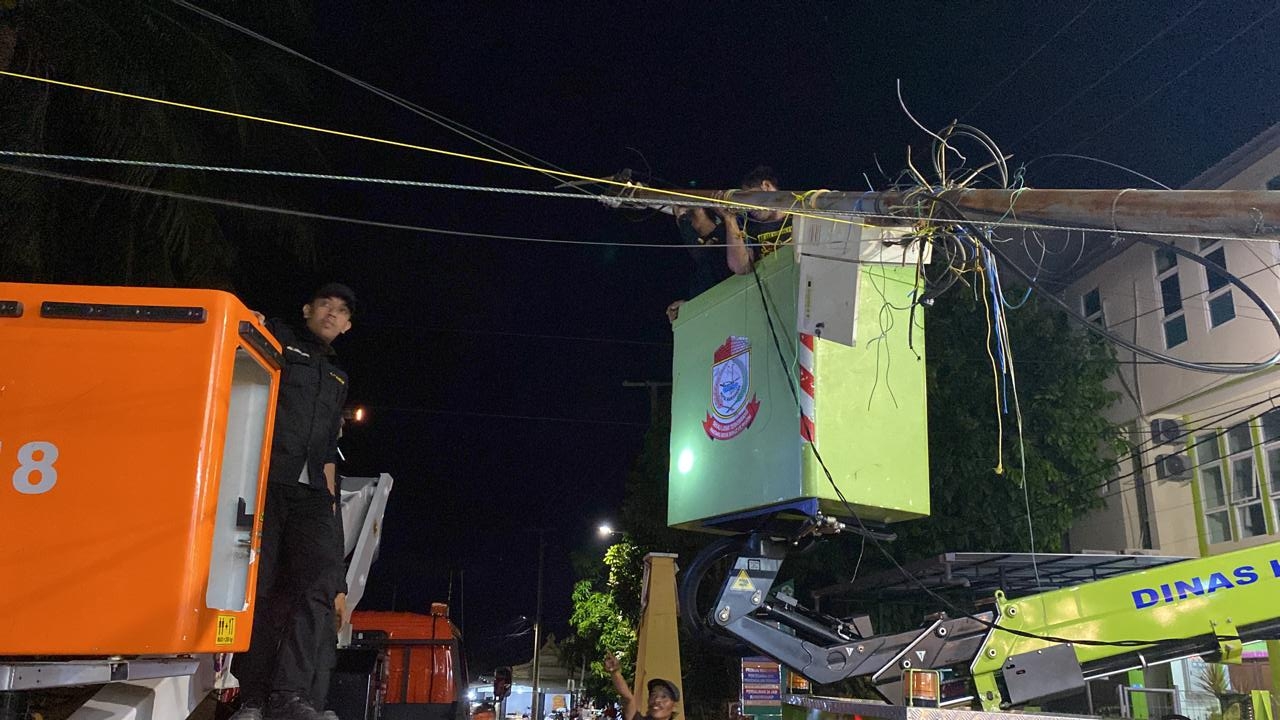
<point x="1215" y="680"/>
<point x="55" y="231"/>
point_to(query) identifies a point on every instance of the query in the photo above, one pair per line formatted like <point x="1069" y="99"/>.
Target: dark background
<point x="493" y="369"/>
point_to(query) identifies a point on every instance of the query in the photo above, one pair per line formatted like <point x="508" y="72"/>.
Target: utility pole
<point x="1241" y="213"/>
<point x="652" y="385"/>
<point x="536" y="712"/>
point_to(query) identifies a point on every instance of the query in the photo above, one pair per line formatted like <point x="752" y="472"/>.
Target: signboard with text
<point x="761" y="681"/>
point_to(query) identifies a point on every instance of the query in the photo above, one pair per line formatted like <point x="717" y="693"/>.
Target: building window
<point x="1170" y="292"/>
<point x="1221" y="307"/>
<point x="1213" y="489"/>
<point x="1245" y="500"/>
<point x="1271" y="453"/>
<point x="1234" y="490"/>
<point x="1091" y="306"/>
<point x="1274" y="183"/>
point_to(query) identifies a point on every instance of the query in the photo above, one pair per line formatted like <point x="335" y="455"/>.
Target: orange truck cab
<point x="134" y="428"/>
<point x="414" y="663"/>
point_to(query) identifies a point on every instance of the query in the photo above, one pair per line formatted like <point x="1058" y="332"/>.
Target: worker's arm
<point x="620" y="684"/>
<point x="340" y="575"/>
<point x="339" y="611"/>
<point x="331" y="477"/>
<point x="739" y="255"/>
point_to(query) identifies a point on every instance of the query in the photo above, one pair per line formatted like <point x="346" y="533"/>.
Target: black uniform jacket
<point x="313" y="391"/>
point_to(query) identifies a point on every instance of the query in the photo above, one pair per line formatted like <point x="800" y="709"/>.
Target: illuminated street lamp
<point x="605" y="530"/>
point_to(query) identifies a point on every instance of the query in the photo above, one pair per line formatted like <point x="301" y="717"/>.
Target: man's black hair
<point x="759" y="176"/>
<point x="335" y="290"/>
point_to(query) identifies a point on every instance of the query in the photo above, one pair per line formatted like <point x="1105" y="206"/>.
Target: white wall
<point x="1133" y="309"/>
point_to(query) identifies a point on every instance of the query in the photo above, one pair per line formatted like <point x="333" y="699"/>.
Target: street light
<point x="605" y="530"/>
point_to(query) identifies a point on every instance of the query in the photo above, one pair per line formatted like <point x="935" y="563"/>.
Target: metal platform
<point x="984" y="573"/>
<point x="42" y="675"/>
<point x="824" y="708"/>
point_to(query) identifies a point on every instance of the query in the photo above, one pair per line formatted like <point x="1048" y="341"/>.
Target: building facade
<point x="1203" y="477"/>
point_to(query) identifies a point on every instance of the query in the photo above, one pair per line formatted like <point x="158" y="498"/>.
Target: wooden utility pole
<point x="1238" y="213"/>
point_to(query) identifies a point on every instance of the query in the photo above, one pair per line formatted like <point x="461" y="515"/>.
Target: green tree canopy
<point x="59" y="231"/>
<point x="1060" y="371"/>
<point x="606" y="611"/>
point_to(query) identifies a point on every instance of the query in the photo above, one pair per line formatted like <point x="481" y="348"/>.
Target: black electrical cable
<point x="1150" y="444"/>
<point x="1221" y="368"/>
<point x="941" y="145"/>
<point x="795" y="398"/>
<point x="1189" y="431"/>
<point x="875" y="537"/>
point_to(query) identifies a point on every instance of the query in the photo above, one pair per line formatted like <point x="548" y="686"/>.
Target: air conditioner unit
<point x="1173" y="467"/>
<point x="1166" y="430"/>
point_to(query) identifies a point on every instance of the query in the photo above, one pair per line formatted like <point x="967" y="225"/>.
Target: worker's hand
<point x="611" y="663"/>
<point x="261" y="318"/>
<point x="339" y="611"/>
<point x="673" y="310"/>
<point x="613" y="196"/>
<point x="726" y="211"/>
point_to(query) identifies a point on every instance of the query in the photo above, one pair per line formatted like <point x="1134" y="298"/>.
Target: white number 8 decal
<point x="29" y="466"/>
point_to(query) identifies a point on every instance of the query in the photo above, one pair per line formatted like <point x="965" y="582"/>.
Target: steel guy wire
<point x="1026" y="60"/>
<point x="318" y="216"/>
<point x="1174" y="79"/>
<point x="391" y="143"/>
<point x="449" y="124"/>
<point x="1099" y="79"/>
<point x="689" y="200"/>
<point x="292" y="174"/>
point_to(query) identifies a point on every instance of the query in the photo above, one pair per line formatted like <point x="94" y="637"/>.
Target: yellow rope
<point x="405" y="145"/>
<point x="810" y="198"/>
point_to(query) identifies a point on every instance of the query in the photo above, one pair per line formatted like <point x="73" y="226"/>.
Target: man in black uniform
<point x="759" y="232"/>
<point x="700" y="227"/>
<point x="326" y="603"/>
<point x="298" y="548"/>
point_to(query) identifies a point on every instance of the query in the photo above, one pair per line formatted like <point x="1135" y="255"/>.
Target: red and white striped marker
<point x="806" y="387"/>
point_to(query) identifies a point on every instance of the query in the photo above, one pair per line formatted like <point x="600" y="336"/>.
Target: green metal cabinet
<point x="738" y="436"/>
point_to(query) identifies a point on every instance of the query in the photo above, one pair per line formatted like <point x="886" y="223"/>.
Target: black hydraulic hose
<point x="701" y="625"/>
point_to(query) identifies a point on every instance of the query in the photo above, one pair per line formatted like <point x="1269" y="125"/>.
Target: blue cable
<point x="997" y="304"/>
<point x="1021" y="302"/>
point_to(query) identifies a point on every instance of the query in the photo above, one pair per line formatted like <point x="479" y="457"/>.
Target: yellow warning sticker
<point x="742" y="582"/>
<point x="226" y="634"/>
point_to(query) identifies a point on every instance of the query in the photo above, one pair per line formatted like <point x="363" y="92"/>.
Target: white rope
<point x="646" y="202"/>
<point x="290" y="174"/>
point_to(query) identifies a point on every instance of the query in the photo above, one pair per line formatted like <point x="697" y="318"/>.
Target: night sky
<point x="494" y="369"/>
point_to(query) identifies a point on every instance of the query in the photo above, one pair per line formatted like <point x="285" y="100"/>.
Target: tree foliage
<point x="1060" y="373"/>
<point x="606" y="611"/>
<point x="710" y="679"/>
<point x="62" y="231"/>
